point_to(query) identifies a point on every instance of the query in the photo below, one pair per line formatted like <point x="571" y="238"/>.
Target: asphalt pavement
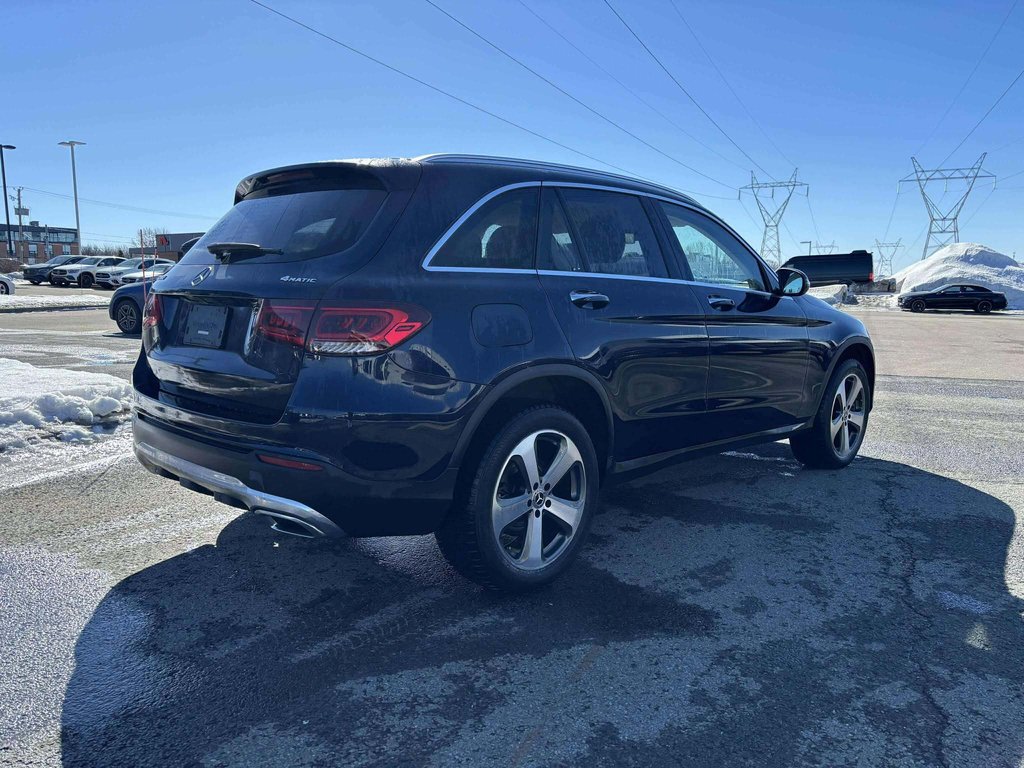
<point x="735" y="610"/>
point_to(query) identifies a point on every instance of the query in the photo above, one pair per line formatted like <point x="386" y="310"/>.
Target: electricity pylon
<point x="943" y="228"/>
<point x="771" y="251"/>
<point x="886" y="256"/>
<point x="825" y="249"/>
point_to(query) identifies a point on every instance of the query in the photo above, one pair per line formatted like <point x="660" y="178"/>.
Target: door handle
<point x="721" y="303"/>
<point x="589" y="299"/>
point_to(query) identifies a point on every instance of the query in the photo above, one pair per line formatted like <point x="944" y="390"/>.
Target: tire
<point x="85" y="280"/>
<point x="983" y="307"/>
<point x="3" y="288"/>
<point x="917" y="306"/>
<point x="126" y="315"/>
<point x="821" y="446"/>
<point x="499" y="556"/>
<point x="35" y="282"/>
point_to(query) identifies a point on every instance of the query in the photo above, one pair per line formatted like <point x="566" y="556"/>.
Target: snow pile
<point x="71" y="301"/>
<point x="970" y="263"/>
<point x="830" y="294"/>
<point x="40" y="403"/>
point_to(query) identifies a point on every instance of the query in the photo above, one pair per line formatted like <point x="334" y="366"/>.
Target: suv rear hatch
<point x="224" y="330"/>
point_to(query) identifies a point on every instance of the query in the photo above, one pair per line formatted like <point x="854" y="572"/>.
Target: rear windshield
<point x="304" y="225"/>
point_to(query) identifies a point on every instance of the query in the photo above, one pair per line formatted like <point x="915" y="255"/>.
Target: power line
<point x="629" y="90"/>
<point x="968" y="80"/>
<point x="452" y="96"/>
<point x="728" y="85"/>
<point x="120" y="206"/>
<point x="987" y="113"/>
<point x="810" y="210"/>
<point x="683" y="89"/>
<point x="892" y="213"/>
<point x="578" y="101"/>
<point x="980" y="206"/>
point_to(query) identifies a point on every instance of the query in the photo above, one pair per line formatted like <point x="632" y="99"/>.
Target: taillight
<point x="342" y="330"/>
<point x="286" y="322"/>
<point x="871" y="277"/>
<point x="153" y="312"/>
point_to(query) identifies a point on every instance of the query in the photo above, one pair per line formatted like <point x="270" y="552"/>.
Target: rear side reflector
<point x="153" y="312"/>
<point x="281" y="461"/>
<point x="363" y="330"/>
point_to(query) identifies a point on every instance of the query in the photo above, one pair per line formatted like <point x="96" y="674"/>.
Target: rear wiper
<point x="224" y="251"/>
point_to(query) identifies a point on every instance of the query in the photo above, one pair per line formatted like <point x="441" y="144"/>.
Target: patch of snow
<point x="877" y="301"/>
<point x="58" y="404"/>
<point x="970" y="263"/>
<point x="71" y="301"/>
<point x="830" y="294"/>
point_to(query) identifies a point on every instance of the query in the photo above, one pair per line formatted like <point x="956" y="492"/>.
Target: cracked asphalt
<point x="736" y="610"/>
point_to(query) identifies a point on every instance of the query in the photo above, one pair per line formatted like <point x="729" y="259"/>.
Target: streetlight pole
<point x="7" y="210"/>
<point x="74" y="181"/>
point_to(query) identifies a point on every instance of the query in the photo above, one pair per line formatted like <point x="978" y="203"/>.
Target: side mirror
<point x="793" y="282"/>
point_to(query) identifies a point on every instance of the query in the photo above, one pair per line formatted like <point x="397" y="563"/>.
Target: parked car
<point x="835" y="268"/>
<point x="37" y="273"/>
<point x="155" y="271"/>
<point x="391" y="348"/>
<point x="82" y="273"/>
<point x="126" y="306"/>
<point x="111" y="276"/>
<point x="6" y="286"/>
<point x="980" y="299"/>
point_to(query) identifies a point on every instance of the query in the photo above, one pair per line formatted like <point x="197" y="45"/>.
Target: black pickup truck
<point x="832" y="268"/>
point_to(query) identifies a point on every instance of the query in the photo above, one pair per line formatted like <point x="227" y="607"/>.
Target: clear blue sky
<point x="179" y="100"/>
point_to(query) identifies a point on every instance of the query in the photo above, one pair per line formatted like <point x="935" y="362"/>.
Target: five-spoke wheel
<point x="539" y="499"/>
<point x="849" y="411"/>
<point x="837" y="433"/>
<point x="529" y="506"/>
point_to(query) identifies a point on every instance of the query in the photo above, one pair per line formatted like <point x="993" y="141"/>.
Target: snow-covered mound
<point x="830" y="294"/>
<point x="38" y="403"/>
<point x="966" y="263"/>
<point x="70" y="301"/>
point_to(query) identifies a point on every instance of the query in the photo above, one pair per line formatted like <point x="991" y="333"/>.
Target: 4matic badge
<point x="290" y="279"/>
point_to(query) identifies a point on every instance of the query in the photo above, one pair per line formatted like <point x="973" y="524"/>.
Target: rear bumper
<point x="234" y="492"/>
<point x="329" y="502"/>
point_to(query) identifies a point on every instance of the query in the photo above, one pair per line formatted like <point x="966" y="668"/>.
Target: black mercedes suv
<point x="471" y="347"/>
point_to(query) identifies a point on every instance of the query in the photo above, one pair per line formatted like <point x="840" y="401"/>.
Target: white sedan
<point x="157" y="270"/>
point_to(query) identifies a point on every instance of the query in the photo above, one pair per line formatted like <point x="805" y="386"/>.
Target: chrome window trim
<point x="462" y="220"/>
<point x="696" y="208"/>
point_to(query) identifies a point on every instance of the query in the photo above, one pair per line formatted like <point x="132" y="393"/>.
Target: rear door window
<point x="711" y="253"/>
<point x="615" y="233"/>
<point x="302" y="225"/>
<point x="501" y="234"/>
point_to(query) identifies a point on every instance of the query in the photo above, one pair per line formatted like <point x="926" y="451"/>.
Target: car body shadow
<point x="812" y="617"/>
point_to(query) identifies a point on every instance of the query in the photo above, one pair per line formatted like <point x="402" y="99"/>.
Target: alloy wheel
<point x="3" y="288"/>
<point x="539" y="499"/>
<point x="127" y="317"/>
<point x="849" y="409"/>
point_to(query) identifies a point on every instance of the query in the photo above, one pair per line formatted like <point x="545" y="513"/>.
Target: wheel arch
<point x="857" y="348"/>
<point x="563" y="385"/>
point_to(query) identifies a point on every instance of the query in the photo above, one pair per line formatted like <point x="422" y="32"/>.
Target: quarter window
<point x="615" y="233"/>
<point x="712" y="253"/>
<point x="501" y="234"/>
